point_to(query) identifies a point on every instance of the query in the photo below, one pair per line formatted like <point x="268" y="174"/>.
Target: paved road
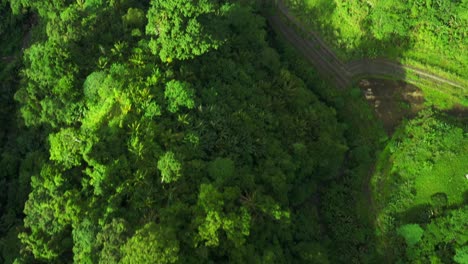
<point x="329" y="65"/>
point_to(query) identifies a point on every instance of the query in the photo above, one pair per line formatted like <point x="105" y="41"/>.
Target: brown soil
<point x="392" y="100"/>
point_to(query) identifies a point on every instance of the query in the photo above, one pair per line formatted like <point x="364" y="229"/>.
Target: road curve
<point x="316" y="51"/>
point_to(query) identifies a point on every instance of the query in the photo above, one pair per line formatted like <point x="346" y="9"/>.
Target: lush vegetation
<point x="187" y="132"/>
<point x="144" y="147"/>
<point x="428" y="34"/>
<point x="431" y="32"/>
<point x="421" y="189"/>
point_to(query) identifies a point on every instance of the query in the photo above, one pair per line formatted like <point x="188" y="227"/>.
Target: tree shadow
<point x="460" y="112"/>
<point x="420" y="214"/>
<point x="386" y="39"/>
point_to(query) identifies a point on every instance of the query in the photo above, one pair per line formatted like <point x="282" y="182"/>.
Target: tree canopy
<point x="186" y="132"/>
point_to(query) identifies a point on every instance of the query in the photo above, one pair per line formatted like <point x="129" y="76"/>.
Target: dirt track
<point x="330" y="66"/>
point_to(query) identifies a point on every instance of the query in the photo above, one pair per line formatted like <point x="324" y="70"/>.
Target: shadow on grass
<point x="460" y="112"/>
<point x="371" y="40"/>
<point x="420" y="214"/>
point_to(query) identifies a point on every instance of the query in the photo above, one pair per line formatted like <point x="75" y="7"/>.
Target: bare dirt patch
<point x="392" y="100"/>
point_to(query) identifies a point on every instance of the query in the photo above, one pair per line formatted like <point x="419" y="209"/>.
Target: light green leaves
<point x="151" y="244"/>
<point x="208" y="231"/>
<point x="83" y="240"/>
<point x="92" y="86"/>
<point x="179" y="94"/>
<point x="214" y="219"/>
<point x="169" y="167"/>
<point x="462" y="255"/>
<point x="412" y="233"/>
<point x="65" y="147"/>
<point x="107" y="101"/>
<point x="180" y="28"/>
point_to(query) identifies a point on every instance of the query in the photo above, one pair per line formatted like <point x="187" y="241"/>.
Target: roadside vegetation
<point x="420" y="188"/>
<point x="431" y="32"/>
<point x="430" y="35"/>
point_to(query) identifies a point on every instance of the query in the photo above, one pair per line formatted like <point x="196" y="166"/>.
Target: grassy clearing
<point x="447" y="175"/>
<point x="426" y="157"/>
<point x="433" y="153"/>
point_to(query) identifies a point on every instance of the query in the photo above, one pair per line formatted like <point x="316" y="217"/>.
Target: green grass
<point x="446" y="176"/>
<point x="441" y="96"/>
<point x="401" y="30"/>
<point x="427" y="155"/>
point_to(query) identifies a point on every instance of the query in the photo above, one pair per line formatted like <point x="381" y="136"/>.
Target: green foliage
<point x="439" y="200"/>
<point x="110" y="239"/>
<point x="462" y="255"/>
<point x="429" y="32"/>
<point x="221" y="169"/>
<point x="10" y="245"/>
<point x="180" y="28"/>
<point x="169" y="167"/>
<point x="151" y="244"/>
<point x="135" y="18"/>
<point x="441" y="236"/>
<point x="91" y="86"/>
<point x="424" y="183"/>
<point x="433" y="155"/>
<point x="179" y="94"/>
<point x="411" y="232"/>
<point x="387" y="20"/>
<point x="141" y="152"/>
<point x="83" y="241"/>
<point x="236" y="225"/>
<point x="65" y="148"/>
<point x="49" y="212"/>
<point x="192" y="142"/>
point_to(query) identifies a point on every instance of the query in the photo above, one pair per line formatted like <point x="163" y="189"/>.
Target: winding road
<point x="316" y="51"/>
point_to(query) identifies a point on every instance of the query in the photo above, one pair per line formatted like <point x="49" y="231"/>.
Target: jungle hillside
<point x="233" y="131"/>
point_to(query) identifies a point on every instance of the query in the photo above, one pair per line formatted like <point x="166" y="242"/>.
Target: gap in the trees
<point x="392" y="100"/>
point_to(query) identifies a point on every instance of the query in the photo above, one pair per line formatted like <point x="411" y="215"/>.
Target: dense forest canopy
<point x="189" y="132"/>
<point x="170" y="131"/>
